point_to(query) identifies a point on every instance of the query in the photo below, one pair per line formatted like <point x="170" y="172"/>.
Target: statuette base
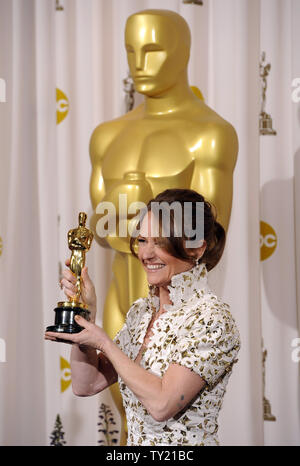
<point x="266" y="125"/>
<point x="65" y="313"/>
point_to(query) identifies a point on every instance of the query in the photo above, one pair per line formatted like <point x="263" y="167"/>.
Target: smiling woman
<point x="174" y="354"/>
<point x="203" y="233"/>
<point x="158" y="263"/>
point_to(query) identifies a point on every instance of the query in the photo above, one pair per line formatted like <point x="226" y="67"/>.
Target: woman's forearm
<point x="86" y="377"/>
<point x="84" y="367"/>
<point x="147" y="387"/>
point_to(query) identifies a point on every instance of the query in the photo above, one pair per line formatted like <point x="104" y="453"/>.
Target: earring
<point x="197" y="260"/>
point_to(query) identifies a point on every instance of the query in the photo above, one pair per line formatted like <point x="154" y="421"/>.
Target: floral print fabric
<point x="196" y="331"/>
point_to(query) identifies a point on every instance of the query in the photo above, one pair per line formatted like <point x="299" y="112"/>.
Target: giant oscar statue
<point x="171" y="140"/>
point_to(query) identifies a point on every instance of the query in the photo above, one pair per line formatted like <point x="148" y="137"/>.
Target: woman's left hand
<point x="91" y="335"/>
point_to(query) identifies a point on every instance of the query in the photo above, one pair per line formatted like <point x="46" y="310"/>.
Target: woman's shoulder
<point x="212" y="304"/>
<point x="136" y="310"/>
<point x="211" y="312"/>
<point x="208" y="303"/>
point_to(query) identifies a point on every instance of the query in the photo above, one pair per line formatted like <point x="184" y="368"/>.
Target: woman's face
<point x="159" y="265"/>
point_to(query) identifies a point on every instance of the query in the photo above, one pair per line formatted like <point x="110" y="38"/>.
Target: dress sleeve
<point x="208" y="345"/>
<point x="123" y="338"/>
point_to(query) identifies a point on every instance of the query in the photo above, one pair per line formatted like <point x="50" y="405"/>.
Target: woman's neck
<point x="164" y="298"/>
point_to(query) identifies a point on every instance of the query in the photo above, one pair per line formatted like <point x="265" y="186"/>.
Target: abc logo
<point x="65" y="370"/>
<point x="62" y="106"/>
<point x="268" y="241"/>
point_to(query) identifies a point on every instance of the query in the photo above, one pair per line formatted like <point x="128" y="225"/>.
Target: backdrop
<point x="61" y="74"/>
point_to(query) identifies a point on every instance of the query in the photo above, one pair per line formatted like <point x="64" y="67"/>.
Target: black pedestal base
<point x="65" y="319"/>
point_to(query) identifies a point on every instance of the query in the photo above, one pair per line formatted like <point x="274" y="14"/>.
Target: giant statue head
<point x="158" y="48"/>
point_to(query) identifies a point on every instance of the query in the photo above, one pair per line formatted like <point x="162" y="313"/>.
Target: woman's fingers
<point x="87" y="282"/>
<point x="50" y="337"/>
<point x="68" y="275"/>
<point x="69" y="291"/>
<point x="88" y="290"/>
<point x="68" y="282"/>
<point x="86" y="278"/>
<point x="61" y="337"/>
<point x="83" y="322"/>
<point x="54" y="335"/>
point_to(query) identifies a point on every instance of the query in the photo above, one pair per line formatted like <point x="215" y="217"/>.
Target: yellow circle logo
<point x="62" y="106"/>
<point x="65" y="379"/>
<point x="268" y="240"/>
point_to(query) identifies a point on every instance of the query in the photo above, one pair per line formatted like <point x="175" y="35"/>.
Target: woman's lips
<point x="154" y="267"/>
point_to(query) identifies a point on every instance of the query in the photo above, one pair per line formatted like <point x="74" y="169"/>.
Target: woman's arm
<point x="91" y="372"/>
<point x="162" y="397"/>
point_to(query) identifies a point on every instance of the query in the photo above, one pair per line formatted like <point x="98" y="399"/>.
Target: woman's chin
<point x="153" y="281"/>
<point x="156" y="279"/>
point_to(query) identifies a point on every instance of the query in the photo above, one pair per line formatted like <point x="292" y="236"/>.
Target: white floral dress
<point x="196" y="331"/>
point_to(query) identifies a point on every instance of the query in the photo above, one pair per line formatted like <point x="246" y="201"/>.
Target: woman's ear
<point x="198" y="252"/>
<point x="201" y="249"/>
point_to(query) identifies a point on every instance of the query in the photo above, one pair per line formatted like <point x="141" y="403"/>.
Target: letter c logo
<point x="62" y="106"/>
<point x="268" y="240"/>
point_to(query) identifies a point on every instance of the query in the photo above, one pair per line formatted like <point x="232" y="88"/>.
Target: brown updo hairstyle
<point x="214" y="233"/>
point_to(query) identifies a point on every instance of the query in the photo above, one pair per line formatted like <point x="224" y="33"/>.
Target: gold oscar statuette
<point x="265" y="120"/>
<point x="79" y="241"/>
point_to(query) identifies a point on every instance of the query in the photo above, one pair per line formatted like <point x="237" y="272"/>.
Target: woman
<point x="175" y="352"/>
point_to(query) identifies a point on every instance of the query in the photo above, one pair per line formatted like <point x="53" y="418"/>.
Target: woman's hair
<point x="214" y="233"/>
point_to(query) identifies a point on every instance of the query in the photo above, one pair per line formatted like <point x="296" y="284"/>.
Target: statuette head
<point x="158" y="49"/>
<point x="82" y="219"/>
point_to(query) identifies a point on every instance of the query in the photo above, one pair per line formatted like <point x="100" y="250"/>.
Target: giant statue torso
<point x="186" y="150"/>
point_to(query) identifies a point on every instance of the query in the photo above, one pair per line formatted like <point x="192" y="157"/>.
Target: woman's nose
<point x="148" y="250"/>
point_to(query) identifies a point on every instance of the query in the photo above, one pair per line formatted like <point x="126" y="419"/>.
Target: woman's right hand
<point x="88" y="294"/>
